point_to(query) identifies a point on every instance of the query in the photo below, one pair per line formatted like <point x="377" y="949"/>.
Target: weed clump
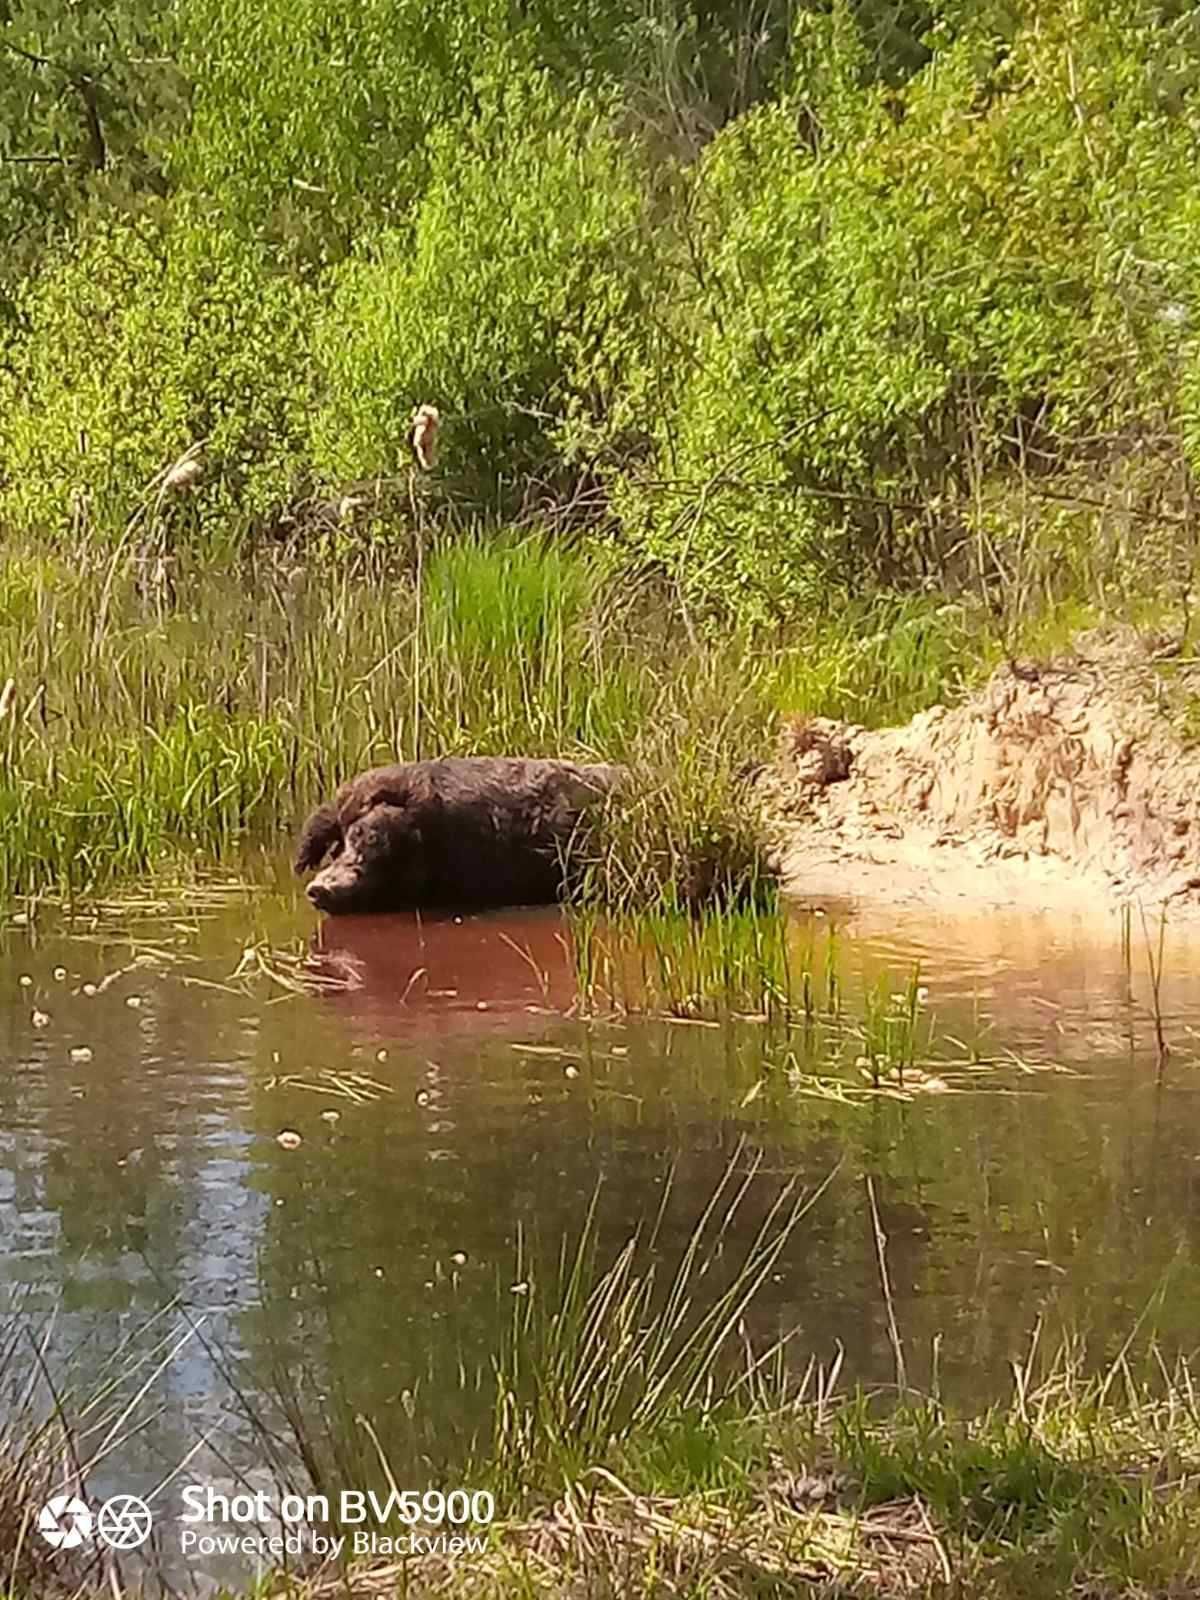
<point x="667" y="843"/>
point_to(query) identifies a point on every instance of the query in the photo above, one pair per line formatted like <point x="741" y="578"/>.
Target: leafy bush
<point x="883" y="309"/>
<point x="140" y="343"/>
<point x="318" y="126"/>
<point x="799" y="294"/>
<point x="88" y="98"/>
<point x="525" y="251"/>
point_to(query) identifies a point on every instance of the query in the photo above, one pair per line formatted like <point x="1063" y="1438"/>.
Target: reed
<point x="606" y="1355"/>
<point x="61" y="1425"/>
<point x="715" y="965"/>
<point x="166" y="710"/>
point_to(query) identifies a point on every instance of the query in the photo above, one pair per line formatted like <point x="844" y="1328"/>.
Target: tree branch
<point x="85" y="86"/>
<point x="27" y="55"/>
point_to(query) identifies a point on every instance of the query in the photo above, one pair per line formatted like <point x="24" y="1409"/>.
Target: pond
<point x="448" y="1118"/>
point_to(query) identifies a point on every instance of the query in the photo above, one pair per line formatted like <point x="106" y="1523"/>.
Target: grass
<point x="1075" y="1485"/>
<point x="646" y="1445"/>
<point x="57" y="1432"/>
<point x="717" y="964"/>
<point x="617" y="1354"/>
<point x="167" y="714"/>
<point x="649" y="1442"/>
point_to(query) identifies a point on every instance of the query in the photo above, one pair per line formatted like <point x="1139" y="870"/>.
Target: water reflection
<point x="445" y="974"/>
<point x="451" y="1116"/>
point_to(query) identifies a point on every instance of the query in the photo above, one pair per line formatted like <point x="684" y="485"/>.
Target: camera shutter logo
<point x="65" y="1522"/>
<point x="123" y="1522"/>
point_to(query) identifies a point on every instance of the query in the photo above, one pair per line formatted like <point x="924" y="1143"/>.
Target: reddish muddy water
<point x="455" y="1119"/>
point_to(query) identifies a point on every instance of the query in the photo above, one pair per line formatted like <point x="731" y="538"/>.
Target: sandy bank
<point x="1062" y="786"/>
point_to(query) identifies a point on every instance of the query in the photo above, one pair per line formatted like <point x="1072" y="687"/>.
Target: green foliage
<point x="87" y="96"/>
<point x="145" y="722"/>
<point x="875" y="320"/>
<point x="141" y="343"/>
<point x="790" y="297"/>
<point x="314" y="124"/>
<point x="526" y="245"/>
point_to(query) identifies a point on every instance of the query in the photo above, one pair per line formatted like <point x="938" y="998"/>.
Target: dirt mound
<point x="1056" y="781"/>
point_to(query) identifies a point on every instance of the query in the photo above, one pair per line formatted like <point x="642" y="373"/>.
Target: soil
<point x="1064" y="784"/>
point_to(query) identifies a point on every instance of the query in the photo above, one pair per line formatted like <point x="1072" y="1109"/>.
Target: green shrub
<point x="801" y="296"/>
<point x="318" y="126"/>
<point x="477" y="309"/>
<point x="89" y="95"/>
<point x="139" y="343"/>
<point x="876" y="311"/>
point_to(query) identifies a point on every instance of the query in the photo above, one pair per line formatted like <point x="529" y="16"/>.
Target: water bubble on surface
<point x="40" y="1019"/>
<point x="81" y="1053"/>
<point x="288" y="1139"/>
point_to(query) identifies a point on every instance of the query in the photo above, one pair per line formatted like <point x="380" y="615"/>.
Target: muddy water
<point x="454" y="1125"/>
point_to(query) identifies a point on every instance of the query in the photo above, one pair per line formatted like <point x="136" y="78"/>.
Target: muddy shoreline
<point x="1064" y="786"/>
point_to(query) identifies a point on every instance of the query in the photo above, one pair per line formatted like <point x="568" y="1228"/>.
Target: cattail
<point x="185" y="474"/>
<point x="426" y="422"/>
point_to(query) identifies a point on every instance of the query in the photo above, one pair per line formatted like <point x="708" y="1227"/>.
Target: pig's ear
<point x="320" y="834"/>
<point x="388" y="786"/>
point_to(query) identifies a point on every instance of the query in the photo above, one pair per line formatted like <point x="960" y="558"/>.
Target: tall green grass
<point x="606" y="1355"/>
<point x="723" y="961"/>
<point x="167" y="712"/>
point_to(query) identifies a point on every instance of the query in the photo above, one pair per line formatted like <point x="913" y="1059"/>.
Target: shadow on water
<point x="452" y="1114"/>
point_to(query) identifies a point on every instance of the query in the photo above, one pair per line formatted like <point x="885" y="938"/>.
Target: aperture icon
<point x="123" y="1522"/>
<point x="65" y="1522"/>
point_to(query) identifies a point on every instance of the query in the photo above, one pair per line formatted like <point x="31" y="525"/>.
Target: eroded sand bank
<point x="1061" y="786"/>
